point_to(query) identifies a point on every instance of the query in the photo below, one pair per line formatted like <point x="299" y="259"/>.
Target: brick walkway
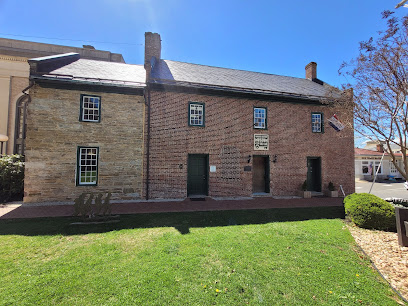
<point x="13" y="211"/>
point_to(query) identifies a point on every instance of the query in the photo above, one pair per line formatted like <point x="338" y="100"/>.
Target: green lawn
<point x="263" y="257"/>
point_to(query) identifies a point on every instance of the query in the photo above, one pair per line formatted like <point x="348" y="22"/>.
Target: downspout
<point x="147" y="103"/>
<point x="28" y="97"/>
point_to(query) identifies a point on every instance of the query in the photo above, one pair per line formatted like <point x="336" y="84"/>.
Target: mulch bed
<point x="387" y="255"/>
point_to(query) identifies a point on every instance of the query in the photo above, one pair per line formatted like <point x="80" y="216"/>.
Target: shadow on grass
<point x="181" y="221"/>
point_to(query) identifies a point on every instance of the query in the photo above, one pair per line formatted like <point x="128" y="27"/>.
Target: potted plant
<point x="305" y="193"/>
<point x="332" y="193"/>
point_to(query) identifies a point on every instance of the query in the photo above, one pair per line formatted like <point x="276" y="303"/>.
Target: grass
<point x="258" y="257"/>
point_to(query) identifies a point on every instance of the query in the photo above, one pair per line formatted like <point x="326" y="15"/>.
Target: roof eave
<point x="239" y="91"/>
<point x="94" y="83"/>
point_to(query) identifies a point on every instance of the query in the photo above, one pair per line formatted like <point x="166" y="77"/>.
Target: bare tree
<point x="378" y="78"/>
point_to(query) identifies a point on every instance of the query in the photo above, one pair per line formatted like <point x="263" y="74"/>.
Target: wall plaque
<point x="261" y="142"/>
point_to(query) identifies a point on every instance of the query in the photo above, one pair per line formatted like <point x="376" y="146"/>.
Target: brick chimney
<point x="380" y="148"/>
<point x="311" y="71"/>
<point x="152" y="50"/>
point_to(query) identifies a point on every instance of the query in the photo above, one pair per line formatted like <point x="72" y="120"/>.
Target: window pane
<point x="316" y="123"/>
<point x="87" y="166"/>
<point x="196" y="114"/>
<point x="90" y="108"/>
<point x="259" y="118"/>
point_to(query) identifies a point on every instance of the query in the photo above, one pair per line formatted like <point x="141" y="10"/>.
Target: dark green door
<point x="197" y="175"/>
<point x="314" y="174"/>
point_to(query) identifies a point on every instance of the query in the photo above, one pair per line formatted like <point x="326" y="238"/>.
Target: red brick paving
<point x="38" y="211"/>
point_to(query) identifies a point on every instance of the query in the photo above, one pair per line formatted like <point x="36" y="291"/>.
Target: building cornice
<point x="12" y="58"/>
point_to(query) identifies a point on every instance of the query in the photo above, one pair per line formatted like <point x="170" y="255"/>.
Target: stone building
<point x="84" y="129"/>
<point x="205" y="131"/>
<point x="225" y="133"/>
<point x="14" y="74"/>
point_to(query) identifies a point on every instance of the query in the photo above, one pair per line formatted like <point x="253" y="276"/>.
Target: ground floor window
<point x="370" y="167"/>
<point x="87" y="166"/>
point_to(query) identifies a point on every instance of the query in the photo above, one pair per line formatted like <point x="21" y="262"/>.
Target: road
<point x="383" y="190"/>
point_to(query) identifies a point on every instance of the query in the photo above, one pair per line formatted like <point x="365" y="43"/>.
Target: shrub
<point x="11" y="178"/>
<point x="331" y="186"/>
<point x="369" y="211"/>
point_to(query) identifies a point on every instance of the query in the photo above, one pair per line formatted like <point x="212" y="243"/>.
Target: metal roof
<point x="168" y="72"/>
<point x="100" y="73"/>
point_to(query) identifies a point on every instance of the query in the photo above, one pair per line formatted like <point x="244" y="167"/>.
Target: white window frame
<point x="375" y="164"/>
<point x="196" y="115"/>
<point x="260" y="118"/>
<point x="393" y="169"/>
<point x="317" y="122"/>
<point x="87" y="166"/>
<point x="89" y="109"/>
<point x="364" y="164"/>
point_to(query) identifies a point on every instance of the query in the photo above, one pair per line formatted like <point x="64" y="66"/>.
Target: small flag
<point x="336" y="123"/>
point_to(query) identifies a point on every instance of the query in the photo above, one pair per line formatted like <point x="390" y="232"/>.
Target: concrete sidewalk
<point x="15" y="210"/>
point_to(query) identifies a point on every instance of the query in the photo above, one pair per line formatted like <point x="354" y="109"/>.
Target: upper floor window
<point x="260" y="118"/>
<point x="317" y="123"/>
<point x="196" y="114"/>
<point x="87" y="166"/>
<point x="90" y="108"/>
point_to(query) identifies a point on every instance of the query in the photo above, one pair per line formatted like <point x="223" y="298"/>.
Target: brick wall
<point x="228" y="139"/>
<point x="54" y="132"/>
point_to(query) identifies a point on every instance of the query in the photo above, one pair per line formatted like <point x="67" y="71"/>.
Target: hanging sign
<point x="336" y="123"/>
<point x="261" y="142"/>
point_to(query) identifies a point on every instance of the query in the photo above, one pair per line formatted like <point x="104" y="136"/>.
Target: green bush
<point x="369" y="211"/>
<point x="11" y="178"/>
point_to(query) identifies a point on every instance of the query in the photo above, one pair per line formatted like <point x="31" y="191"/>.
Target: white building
<point x="368" y="161"/>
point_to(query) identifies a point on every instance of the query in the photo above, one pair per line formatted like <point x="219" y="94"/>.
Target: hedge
<point x="11" y="178"/>
<point x="369" y="211"/>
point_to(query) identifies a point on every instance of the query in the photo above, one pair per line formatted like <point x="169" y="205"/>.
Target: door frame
<point x="207" y="172"/>
<point x="267" y="172"/>
<point x="319" y="182"/>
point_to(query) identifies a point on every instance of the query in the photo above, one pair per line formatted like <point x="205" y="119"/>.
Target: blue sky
<point x="278" y="37"/>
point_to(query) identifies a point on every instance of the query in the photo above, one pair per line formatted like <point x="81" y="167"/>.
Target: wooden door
<point x="260" y="174"/>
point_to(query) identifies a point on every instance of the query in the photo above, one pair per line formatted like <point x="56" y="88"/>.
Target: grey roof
<point x="100" y="72"/>
<point x="166" y="71"/>
<point x="31" y="49"/>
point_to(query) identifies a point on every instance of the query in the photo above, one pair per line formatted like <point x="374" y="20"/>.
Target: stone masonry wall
<point x="54" y="132"/>
<point x="228" y="139"/>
